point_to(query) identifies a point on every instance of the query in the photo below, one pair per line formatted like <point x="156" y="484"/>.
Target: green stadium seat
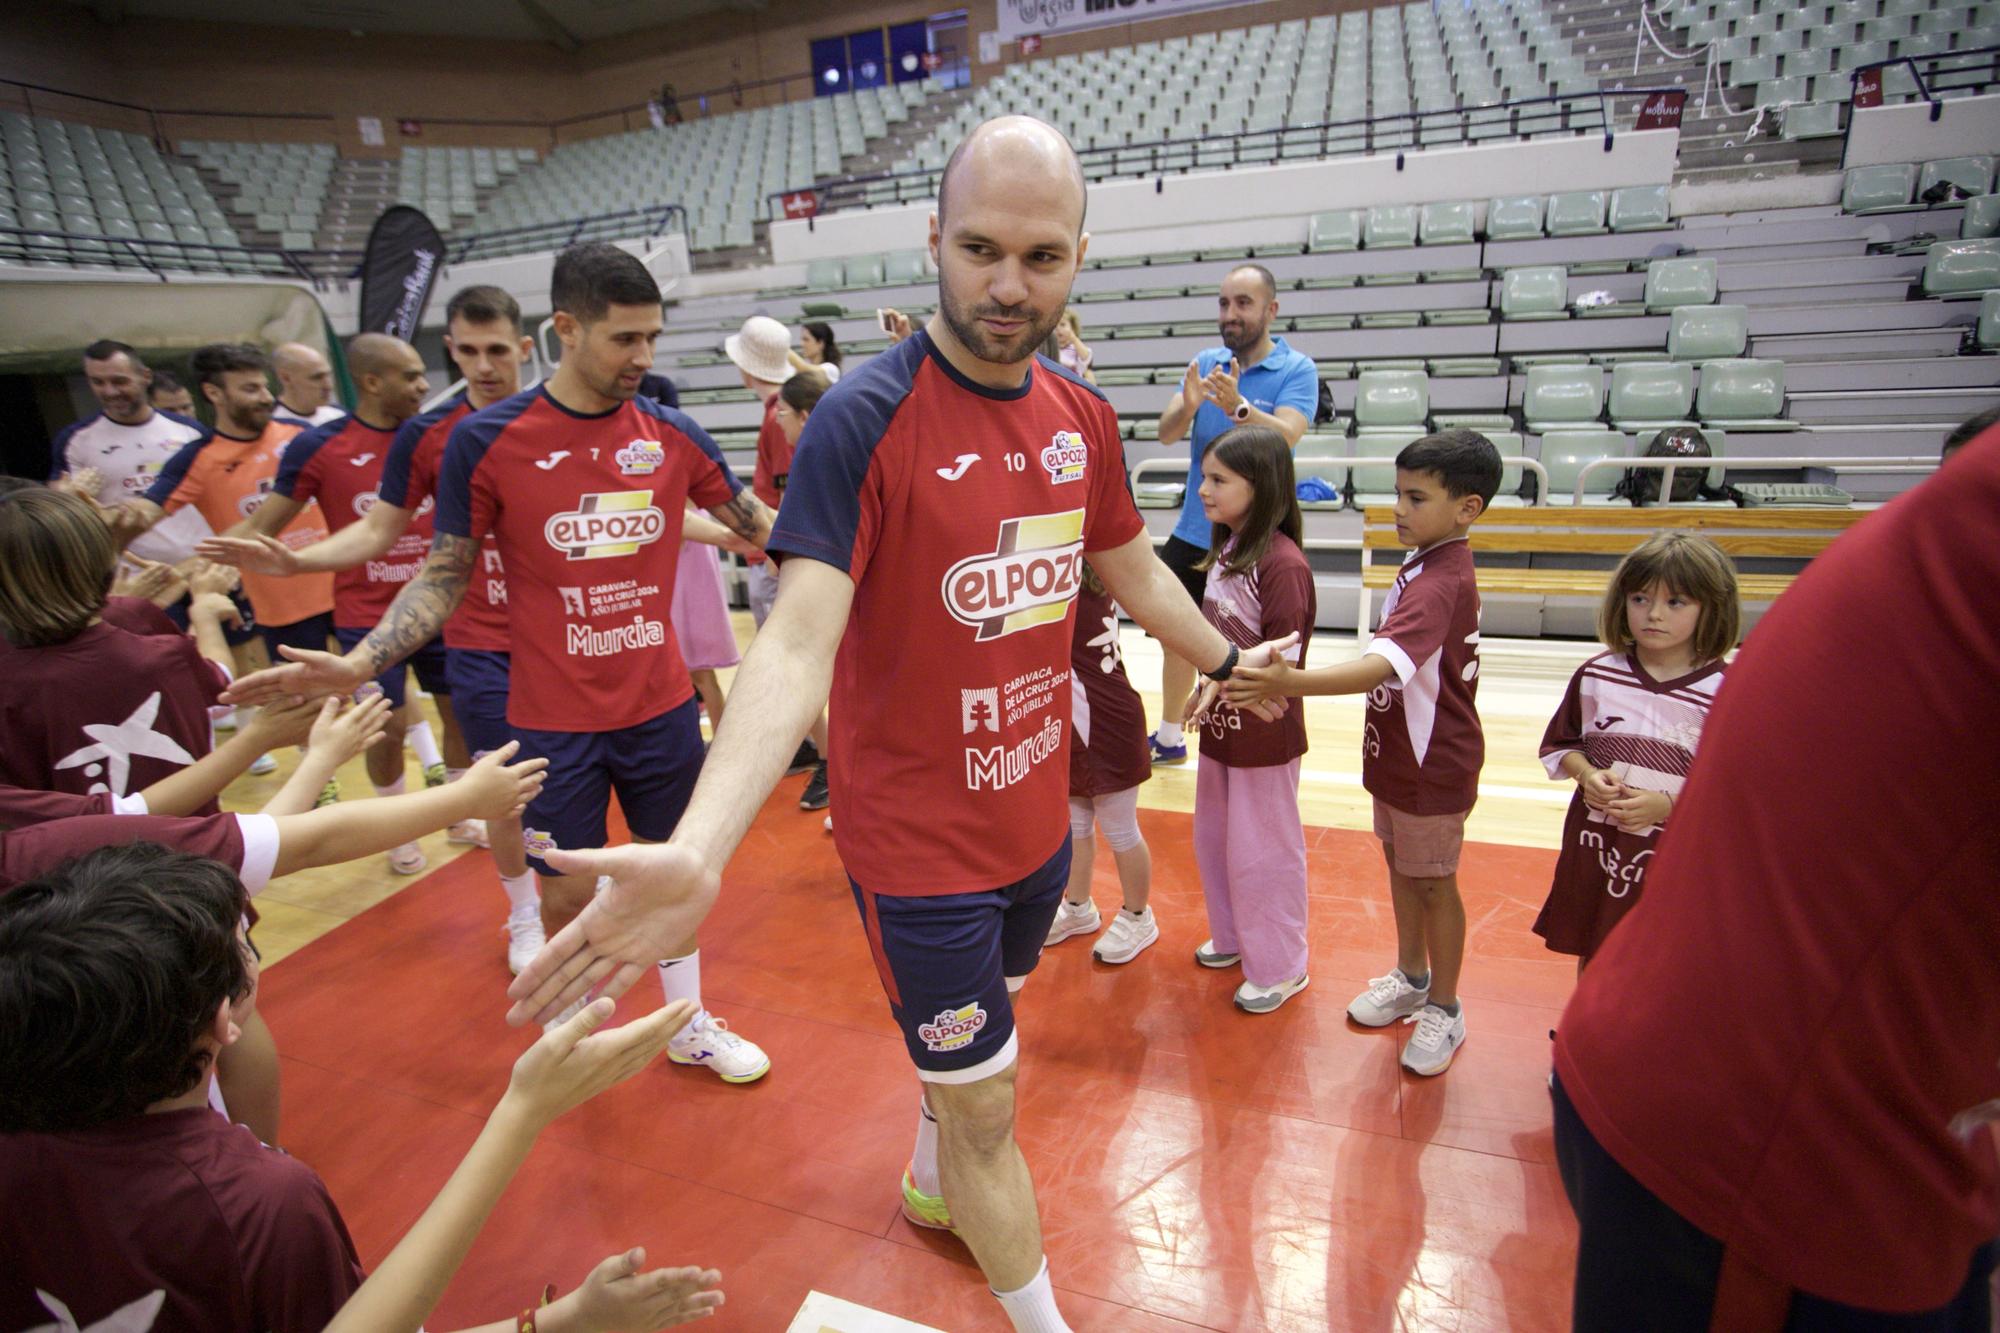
<point x="1679" y="282"/>
<point x="828" y="310"/>
<point x="1706" y="332"/>
<point x="1989" y="321"/>
<point x="866" y="271"/>
<point x="1646" y="395"/>
<point x="824" y="275"/>
<point x="1564" y="452"/>
<point x="1640" y="208"/>
<point x="1446" y="224"/>
<point x="1557" y="397"/>
<point x="1742" y="394"/>
<point x="1961" y="268"/>
<point x="1981" y="218"/>
<point x="1973" y="174"/>
<point x="905" y="266"/>
<point x="1375" y="483"/>
<point x="1576" y="213"/>
<point x="1391" y="400"/>
<point x="1390" y="227"/>
<point x="1812" y="120"/>
<point x="1541" y="292"/>
<point x="1337" y="230"/>
<point x="1514" y="218"/>
<point x="1867" y="188"/>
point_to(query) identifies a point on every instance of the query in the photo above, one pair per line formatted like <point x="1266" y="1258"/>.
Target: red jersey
<point x="774" y="463"/>
<point x="587" y="511"/>
<point x="1107" y="751"/>
<point x="409" y="481"/>
<point x="340" y="465"/>
<point x="179" y="1222"/>
<point x="1778" y="1039"/>
<point x="143" y="714"/>
<point x="962" y="514"/>
<point x="1274" y="599"/>
<point x="1421" y="749"/>
<point x="247" y="844"/>
<point x="21" y="807"/>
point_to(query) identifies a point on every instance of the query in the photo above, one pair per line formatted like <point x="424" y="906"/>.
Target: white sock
<point x="522" y="891"/>
<point x="923" y="1158"/>
<point x="1170" y="733"/>
<point x="425" y="744"/>
<point x="680" y="978"/>
<point x="393" y="789"/>
<point x="1033" y="1307"/>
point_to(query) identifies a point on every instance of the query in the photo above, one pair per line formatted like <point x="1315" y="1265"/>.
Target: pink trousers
<point x="1251" y="850"/>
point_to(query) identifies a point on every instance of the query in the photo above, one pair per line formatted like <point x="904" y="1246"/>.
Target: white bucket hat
<point x="759" y="349"/>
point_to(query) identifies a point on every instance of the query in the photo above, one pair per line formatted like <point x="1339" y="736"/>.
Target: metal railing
<point x="1532" y="467"/>
<point x="1405" y="132"/>
<point x="1935" y="77"/>
<point x="1667" y="464"/>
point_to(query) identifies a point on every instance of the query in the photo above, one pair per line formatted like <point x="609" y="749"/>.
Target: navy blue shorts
<point x="178" y="613"/>
<point x="652" y="767"/>
<point x="310" y="633"/>
<point x="478" y="689"/>
<point x="428" y="662"/>
<point x="946" y="963"/>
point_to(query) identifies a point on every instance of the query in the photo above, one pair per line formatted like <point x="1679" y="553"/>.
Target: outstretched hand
<point x="658" y="894"/>
<point x="502" y="790"/>
<point x="618" y="1294"/>
<point x="259" y="554"/>
<point x="306" y="675"/>
<point x="341" y="734"/>
<point x="569" y="1065"/>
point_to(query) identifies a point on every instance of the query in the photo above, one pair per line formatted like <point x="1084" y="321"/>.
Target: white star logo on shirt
<point x="136" y="1317"/>
<point x="1108" y="641"/>
<point x="116" y="747"/>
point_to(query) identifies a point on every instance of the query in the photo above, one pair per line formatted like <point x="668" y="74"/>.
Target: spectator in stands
<point x="305" y="386"/>
<point x="1968" y="430"/>
<point x="1829" y="1164"/>
<point x="168" y="394"/>
<point x="817" y="351"/>
<point x="1253" y="377"/>
<point x="1074" y="352"/>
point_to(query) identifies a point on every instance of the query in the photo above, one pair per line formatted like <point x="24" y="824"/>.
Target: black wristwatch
<point x="1227" y="668"/>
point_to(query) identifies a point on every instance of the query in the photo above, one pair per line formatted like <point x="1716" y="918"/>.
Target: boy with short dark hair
<point x="1422" y="747"/>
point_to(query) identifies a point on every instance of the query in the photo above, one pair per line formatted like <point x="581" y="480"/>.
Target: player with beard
<point x="943" y="495"/>
<point x="1252" y="377"/>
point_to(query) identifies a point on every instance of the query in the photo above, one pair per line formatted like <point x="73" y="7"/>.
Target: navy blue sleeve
<point x="822" y="514"/>
<point x="299" y="453"/>
<point x="395" y="487"/>
<point x="59" y="446"/>
<point x="660" y="389"/>
<point x="700" y="488"/>
<point x="469" y="441"/>
<point x="175" y="472"/>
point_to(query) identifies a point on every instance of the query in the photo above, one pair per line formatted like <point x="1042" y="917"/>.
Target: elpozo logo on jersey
<point x="1028" y="580"/>
<point x="1065" y="457"/>
<point x="367" y="500"/>
<point x="641" y="458"/>
<point x="606" y="524"/>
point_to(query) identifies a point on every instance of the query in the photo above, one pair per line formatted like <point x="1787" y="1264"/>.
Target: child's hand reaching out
<point x="278" y="725"/>
<point x="501" y="790"/>
<point x="618" y="1295"/>
<point x="340" y="735"/>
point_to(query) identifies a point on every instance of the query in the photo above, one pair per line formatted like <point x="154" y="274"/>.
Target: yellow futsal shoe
<point x="925" y="1210"/>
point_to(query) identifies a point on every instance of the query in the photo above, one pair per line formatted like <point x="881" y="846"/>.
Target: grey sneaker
<point x="1208" y="955"/>
<point x="1386" y="1000"/>
<point x="1127" y="937"/>
<point x="1436" y="1040"/>
<point x="1255" y="999"/>
<point x="1073" y="919"/>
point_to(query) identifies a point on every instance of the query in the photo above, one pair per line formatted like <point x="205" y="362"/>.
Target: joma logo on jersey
<point x="1030" y="579"/>
<point x="606" y="524"/>
<point x="953" y="1028"/>
<point x="1065" y="457"/>
<point x="641" y="458"/>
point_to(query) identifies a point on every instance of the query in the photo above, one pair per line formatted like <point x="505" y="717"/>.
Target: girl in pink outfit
<point x="701" y="623"/>
<point x="1248" y="841"/>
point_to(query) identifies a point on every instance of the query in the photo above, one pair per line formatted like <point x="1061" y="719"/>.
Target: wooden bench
<point x="1609" y="531"/>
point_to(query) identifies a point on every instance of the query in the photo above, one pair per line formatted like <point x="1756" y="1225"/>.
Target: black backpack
<point x="1324" y="412"/>
<point x="1642" y="485"/>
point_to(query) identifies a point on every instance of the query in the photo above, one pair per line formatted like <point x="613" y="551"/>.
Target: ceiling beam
<point x="559" y="36"/>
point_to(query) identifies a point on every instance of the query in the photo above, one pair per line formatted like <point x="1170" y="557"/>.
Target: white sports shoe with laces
<point x="707" y="1041"/>
<point x="524" y="936"/>
<point x="1386" y="1000"/>
<point x="1438" y="1036"/>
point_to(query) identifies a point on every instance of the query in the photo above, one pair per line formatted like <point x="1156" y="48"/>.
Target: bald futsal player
<point x="943" y="495"/>
<point x="305" y="386"/>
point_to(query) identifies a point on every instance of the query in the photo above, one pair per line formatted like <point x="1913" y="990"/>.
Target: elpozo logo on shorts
<point x="605" y="524"/>
<point x="953" y="1029"/>
<point x="1028" y="580"/>
<point x="1065" y="457"/>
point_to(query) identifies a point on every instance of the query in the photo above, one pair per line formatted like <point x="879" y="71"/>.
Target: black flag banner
<point x="398" y="270"/>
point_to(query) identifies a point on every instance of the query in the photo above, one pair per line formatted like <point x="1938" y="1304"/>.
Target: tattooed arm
<point x="747" y="517"/>
<point x="412" y="621"/>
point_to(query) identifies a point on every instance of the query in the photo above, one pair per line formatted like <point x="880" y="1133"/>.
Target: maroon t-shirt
<point x="247" y="844"/>
<point x="1274" y="599"/>
<point x="182" y="1214"/>
<point x="1779" y="1037"/>
<point x="774" y="463"/>
<point x="1107" y="751"/>
<point x="1421" y="749"/>
<point x="136" y="615"/>
<point x="107" y="711"/>
<point x="22" y="806"/>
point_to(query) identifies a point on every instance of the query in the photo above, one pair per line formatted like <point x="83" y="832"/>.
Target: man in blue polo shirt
<point x="1252" y="377"/>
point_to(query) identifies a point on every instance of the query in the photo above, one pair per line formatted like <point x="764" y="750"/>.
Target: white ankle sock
<point x="1170" y="733"/>
<point x="393" y="789"/>
<point x="680" y="978"/>
<point x="1033" y="1307"/>
<point x="521" y="889"/>
<point x="923" y="1158"/>
<point x="424" y="744"/>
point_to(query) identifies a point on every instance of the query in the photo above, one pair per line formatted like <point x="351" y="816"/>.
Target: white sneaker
<point x="1255" y="999"/>
<point x="1436" y="1040"/>
<point x="1127" y="937"/>
<point x="829" y="824"/>
<point x="471" y="832"/>
<point x="1072" y="919"/>
<point x="407" y="859"/>
<point x="707" y="1041"/>
<point x="524" y="936"/>
<point x="1208" y="955"/>
<point x="1386" y="1000"/>
<point x="262" y="765"/>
